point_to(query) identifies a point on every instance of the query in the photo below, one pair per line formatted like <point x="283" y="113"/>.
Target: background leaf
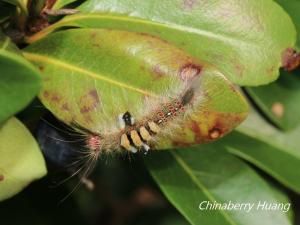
<point x="293" y="8"/>
<point x="277" y="100"/>
<point x="188" y="177"/>
<point x="275" y="152"/>
<point x="266" y="157"/>
<point x="19" y="81"/>
<point x="21" y="161"/>
<point x="245" y="40"/>
<point x="122" y="69"/>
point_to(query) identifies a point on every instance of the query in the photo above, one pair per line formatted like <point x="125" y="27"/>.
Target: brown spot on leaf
<point x="189" y="70"/>
<point x="180" y="144"/>
<point x="197" y="132"/>
<point x="271" y="70"/>
<point x="52" y="96"/>
<point x="1" y="177"/>
<point x="65" y="107"/>
<point x="189" y="4"/>
<point x="290" y="59"/>
<point x="239" y="69"/>
<point x="214" y="133"/>
<point x="219" y="129"/>
<point x="41" y="68"/>
<point x="95" y="40"/>
<point x="55" y="98"/>
<point x="45" y="79"/>
<point x="46" y="94"/>
<point x="89" y="101"/>
<point x="278" y="109"/>
<point x="88" y="119"/>
<point x="93" y="34"/>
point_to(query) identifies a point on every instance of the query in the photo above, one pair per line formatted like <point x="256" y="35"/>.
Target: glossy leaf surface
<point x="280" y="164"/>
<point x="270" y="149"/>
<point x="278" y="100"/>
<point x="19" y="80"/>
<point x="208" y="173"/>
<point x="244" y="39"/>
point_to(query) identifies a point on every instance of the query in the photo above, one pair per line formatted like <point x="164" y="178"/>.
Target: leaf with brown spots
<point x="93" y="85"/>
<point x="244" y="39"/>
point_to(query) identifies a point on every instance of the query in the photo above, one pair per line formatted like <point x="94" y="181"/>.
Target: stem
<point x="291" y="59"/>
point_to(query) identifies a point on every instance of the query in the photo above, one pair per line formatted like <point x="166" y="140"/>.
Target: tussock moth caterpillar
<point x="140" y="134"/>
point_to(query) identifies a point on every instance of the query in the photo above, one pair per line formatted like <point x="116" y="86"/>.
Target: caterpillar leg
<point x="145" y="148"/>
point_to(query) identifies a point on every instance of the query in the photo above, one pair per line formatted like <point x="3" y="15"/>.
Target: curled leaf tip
<point x="291" y="59"/>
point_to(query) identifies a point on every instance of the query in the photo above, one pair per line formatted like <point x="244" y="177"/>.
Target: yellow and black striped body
<point x="137" y="137"/>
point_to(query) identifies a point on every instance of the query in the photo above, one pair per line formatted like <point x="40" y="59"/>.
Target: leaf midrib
<point x="199" y="184"/>
<point x="46" y="59"/>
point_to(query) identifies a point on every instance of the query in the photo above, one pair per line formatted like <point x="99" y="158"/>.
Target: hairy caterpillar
<point x="141" y="135"/>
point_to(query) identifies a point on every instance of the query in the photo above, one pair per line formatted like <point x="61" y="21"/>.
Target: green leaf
<point x="287" y="141"/>
<point x="113" y="72"/>
<point x="273" y="151"/>
<point x="190" y="176"/>
<point x="244" y="39"/>
<point x="267" y="157"/>
<point x="21" y="161"/>
<point x="19" y="80"/>
<point x="293" y="8"/>
<point x="278" y="100"/>
<point x="280" y="108"/>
